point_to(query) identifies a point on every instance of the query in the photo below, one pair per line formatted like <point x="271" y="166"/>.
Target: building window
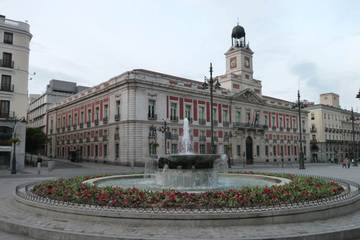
<point x="96" y="151"/>
<point x="106" y="111"/>
<point x="188" y="112"/>
<point x="82" y="117"/>
<point x="202" y="149"/>
<point x="238" y="150"/>
<point x="267" y="150"/>
<point x="105" y="150"/>
<point x="258" y="150"/>
<point x="273" y="120"/>
<point x="151" y="109"/>
<point x="4" y="108"/>
<point x="118" y="107"/>
<point x="76" y="119"/>
<point x="152" y="149"/>
<point x="288" y="150"/>
<point x="173" y="148"/>
<point x="173" y="111"/>
<point x="89" y="115"/>
<point x="266" y="120"/>
<point x="225" y="116"/>
<point x="274" y="151"/>
<point x="88" y="150"/>
<point x="238" y="116"/>
<point x="247" y="61"/>
<point x="312" y="116"/>
<point x="7" y="60"/>
<point x="97" y="114"/>
<point x="201" y="113"/>
<point x="5" y="83"/>
<point x="70" y="121"/>
<point x="281" y="121"/>
<point x="214" y="114"/>
<point x="117" y="150"/>
<point x="8" y="38"/>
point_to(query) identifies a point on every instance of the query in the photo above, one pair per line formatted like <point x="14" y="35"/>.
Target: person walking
<point x="343" y="162"/>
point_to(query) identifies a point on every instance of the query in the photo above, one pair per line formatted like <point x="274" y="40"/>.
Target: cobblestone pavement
<point x="11" y="211"/>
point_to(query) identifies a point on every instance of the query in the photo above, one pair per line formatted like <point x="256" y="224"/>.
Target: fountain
<point x="186" y="171"/>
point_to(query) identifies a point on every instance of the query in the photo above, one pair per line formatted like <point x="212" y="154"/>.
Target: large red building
<point x="120" y="120"/>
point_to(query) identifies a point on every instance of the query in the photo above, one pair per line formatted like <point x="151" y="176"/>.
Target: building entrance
<point x="249" y="150"/>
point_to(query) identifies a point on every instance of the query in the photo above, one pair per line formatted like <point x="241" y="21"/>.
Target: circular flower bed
<point x="300" y="189"/>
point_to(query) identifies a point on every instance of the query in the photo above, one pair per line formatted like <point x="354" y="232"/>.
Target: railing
<point x="226" y="124"/>
<point x="174" y="118"/>
<point x="74" y="126"/>
<point x="202" y="122"/>
<point x="88" y="124"/>
<point x="7" y="115"/>
<point x="215" y="122"/>
<point x="174" y="137"/>
<point x="105" y="138"/>
<point x="152" y="136"/>
<point x="202" y="138"/>
<point x="313" y="130"/>
<point x="250" y="126"/>
<point x="105" y="120"/>
<point x="7" y="88"/>
<point x="96" y="122"/>
<point x="81" y="125"/>
<point x="6" y="64"/>
<point x="116" y="136"/>
<point x="117" y="117"/>
<point x="152" y="117"/>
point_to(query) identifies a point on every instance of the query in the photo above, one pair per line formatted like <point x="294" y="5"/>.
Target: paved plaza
<point x="9" y="212"/>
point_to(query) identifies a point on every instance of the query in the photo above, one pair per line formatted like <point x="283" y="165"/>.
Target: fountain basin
<point x="224" y="181"/>
<point x="188" y="161"/>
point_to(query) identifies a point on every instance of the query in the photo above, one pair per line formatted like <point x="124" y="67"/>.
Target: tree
<point x="35" y="140"/>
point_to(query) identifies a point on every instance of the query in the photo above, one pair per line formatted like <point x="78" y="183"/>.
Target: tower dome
<point x="238" y="32"/>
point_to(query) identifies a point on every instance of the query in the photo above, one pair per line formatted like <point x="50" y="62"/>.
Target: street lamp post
<point x="300" y="105"/>
<point x="212" y="85"/>
<point x="14" y="141"/>
<point x="165" y="130"/>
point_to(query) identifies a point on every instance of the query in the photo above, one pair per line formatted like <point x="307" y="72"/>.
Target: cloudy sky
<point x="314" y="44"/>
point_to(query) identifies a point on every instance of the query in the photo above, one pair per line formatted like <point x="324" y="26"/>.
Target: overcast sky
<point x="316" y="43"/>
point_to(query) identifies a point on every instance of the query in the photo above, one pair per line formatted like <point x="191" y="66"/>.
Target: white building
<point x="118" y="121"/>
<point x="331" y="130"/>
<point x="56" y="91"/>
<point x="14" y="64"/>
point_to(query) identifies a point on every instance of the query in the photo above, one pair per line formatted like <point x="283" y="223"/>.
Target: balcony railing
<point x="249" y="126"/>
<point x="152" y="136"/>
<point x="6" y="64"/>
<point x="105" y="120"/>
<point x="313" y="130"/>
<point x="74" y="126"/>
<point x="7" y="88"/>
<point x="96" y="122"/>
<point x="117" y="117"/>
<point x="174" y="118"/>
<point x="7" y="115"/>
<point x="226" y="124"/>
<point x="202" y="122"/>
<point x="202" y="138"/>
<point x="152" y="117"/>
<point x="174" y="137"/>
<point x="88" y="124"/>
<point x="116" y="136"/>
<point x="105" y="138"/>
<point x="81" y="125"/>
<point x="215" y="122"/>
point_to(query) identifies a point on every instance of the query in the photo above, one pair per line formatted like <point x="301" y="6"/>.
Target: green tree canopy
<point x="35" y="140"/>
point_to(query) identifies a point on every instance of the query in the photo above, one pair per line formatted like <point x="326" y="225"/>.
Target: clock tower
<point x="239" y="64"/>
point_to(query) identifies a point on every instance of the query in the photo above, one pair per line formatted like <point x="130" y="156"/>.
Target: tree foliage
<point x="35" y="140"/>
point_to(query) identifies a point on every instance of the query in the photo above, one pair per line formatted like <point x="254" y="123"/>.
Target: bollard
<point x="39" y="168"/>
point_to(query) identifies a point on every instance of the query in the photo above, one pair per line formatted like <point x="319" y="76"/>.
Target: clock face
<point x="233" y="62"/>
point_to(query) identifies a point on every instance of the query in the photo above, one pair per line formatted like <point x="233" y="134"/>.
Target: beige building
<point x="331" y="130"/>
<point x="14" y="64"/>
<point x="119" y="120"/>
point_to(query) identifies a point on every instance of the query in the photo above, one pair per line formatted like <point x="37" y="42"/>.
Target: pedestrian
<point x="343" y="162"/>
<point x="348" y="163"/>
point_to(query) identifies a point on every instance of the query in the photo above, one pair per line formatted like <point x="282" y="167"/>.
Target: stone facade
<point x="332" y="131"/>
<point x="119" y="120"/>
<point x="14" y="65"/>
<point x="56" y="91"/>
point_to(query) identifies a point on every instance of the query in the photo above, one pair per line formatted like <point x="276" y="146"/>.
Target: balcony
<point x="174" y="118"/>
<point x="74" y="126"/>
<point x="51" y="131"/>
<point x="281" y="129"/>
<point x="174" y="137"/>
<point x="216" y="139"/>
<point x="313" y="130"/>
<point x="105" y="138"/>
<point x="7" y="88"/>
<point x="273" y="128"/>
<point x="105" y="120"/>
<point x="288" y="129"/>
<point x="7" y="115"/>
<point x="294" y="129"/>
<point x="215" y="122"/>
<point x="68" y="128"/>
<point x="81" y="125"/>
<point x="202" y="138"/>
<point x="87" y="139"/>
<point x="250" y="126"/>
<point x="202" y="122"/>
<point x="88" y="124"/>
<point x="152" y="116"/>
<point x="80" y="140"/>
<point x="6" y="64"/>
<point x="226" y="124"/>
<point x="63" y="129"/>
<point x="116" y="136"/>
<point x="117" y="117"/>
<point x="96" y="122"/>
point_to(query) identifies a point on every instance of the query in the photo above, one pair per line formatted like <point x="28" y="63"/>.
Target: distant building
<point x="118" y="120"/>
<point x="56" y="91"/>
<point x="331" y="130"/>
<point x="14" y="65"/>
